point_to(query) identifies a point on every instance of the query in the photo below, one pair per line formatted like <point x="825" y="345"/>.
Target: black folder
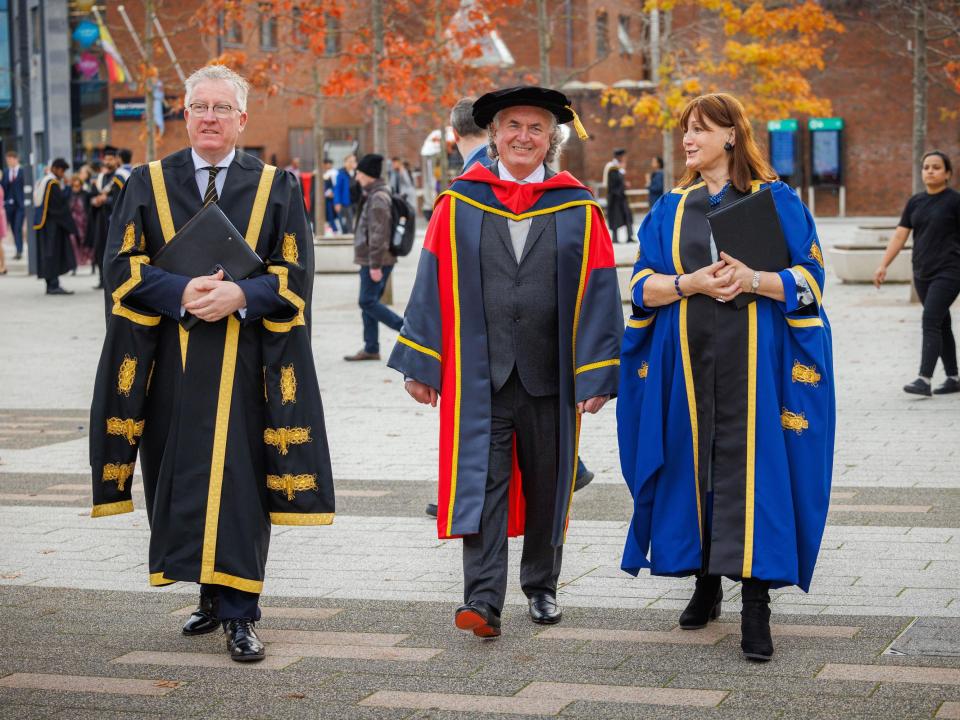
<point x="748" y="229"/>
<point x="208" y="242"/>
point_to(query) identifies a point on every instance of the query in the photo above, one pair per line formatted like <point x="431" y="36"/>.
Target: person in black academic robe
<point x="54" y="225"/>
<point x="106" y="189"/>
<point x="618" y="206"/>
<point x="226" y="416"/>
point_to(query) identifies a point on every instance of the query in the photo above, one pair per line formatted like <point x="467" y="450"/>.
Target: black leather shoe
<point x="431" y="510"/>
<point x="59" y="291"/>
<point x="705" y="604"/>
<point x="478" y="618"/>
<point x="949" y="386"/>
<point x="544" y="609"/>
<point x="918" y="387"/>
<point x="204" y="619"/>
<point x="243" y="642"/>
<point x="755" y="640"/>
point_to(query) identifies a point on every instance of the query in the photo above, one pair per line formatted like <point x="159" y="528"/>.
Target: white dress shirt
<point x="203" y="177"/>
<point x="519" y="229"/>
<point x="202" y="174"/>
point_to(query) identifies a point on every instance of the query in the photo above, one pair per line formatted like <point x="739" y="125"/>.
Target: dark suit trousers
<point x="15" y="221"/>
<point x="233" y="604"/>
<point x="536" y="422"/>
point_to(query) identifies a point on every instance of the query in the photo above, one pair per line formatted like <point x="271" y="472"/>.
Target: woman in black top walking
<point x="934" y="218"/>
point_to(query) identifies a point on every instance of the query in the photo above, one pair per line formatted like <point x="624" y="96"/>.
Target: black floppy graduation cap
<point x="109" y="150"/>
<point x="554" y="101"/>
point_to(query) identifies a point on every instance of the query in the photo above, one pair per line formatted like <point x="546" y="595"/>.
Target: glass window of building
<point x="603" y="34"/>
<point x="331" y="42"/>
<point x="268" y="29"/>
<point x="232" y="30"/>
<point x="623" y="35"/>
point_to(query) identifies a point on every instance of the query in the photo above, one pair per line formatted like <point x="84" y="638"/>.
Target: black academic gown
<point x="618" y="207"/>
<point x="111" y="184"/>
<point x="54" y="226"/>
<point x="227" y="417"/>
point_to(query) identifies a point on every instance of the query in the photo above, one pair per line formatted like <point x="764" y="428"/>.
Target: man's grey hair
<point x="556" y="138"/>
<point x="461" y="118"/>
<point x="219" y="72"/>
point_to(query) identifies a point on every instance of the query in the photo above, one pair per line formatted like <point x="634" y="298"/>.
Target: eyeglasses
<point x="221" y="110"/>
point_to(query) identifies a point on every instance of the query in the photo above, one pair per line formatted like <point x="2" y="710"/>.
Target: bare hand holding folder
<point x="207" y="243"/>
<point x="749" y="230"/>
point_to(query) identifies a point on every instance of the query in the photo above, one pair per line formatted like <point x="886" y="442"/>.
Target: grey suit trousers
<point x="536" y="422"/>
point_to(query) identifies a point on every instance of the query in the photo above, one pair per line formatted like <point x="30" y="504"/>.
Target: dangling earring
<point x="727" y="146"/>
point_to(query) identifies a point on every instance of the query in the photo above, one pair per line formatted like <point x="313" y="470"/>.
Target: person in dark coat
<point x="54" y="226"/>
<point x="78" y="200"/>
<point x="655" y="181"/>
<point x="107" y="187"/>
<point x="13" y="202"/>
<point x="618" y="206"/>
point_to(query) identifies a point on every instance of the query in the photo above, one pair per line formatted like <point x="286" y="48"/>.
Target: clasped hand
<point x="211" y="298"/>
<point x="723" y="280"/>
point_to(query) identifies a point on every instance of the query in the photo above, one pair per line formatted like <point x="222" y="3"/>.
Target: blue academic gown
<point x="726" y="417"/>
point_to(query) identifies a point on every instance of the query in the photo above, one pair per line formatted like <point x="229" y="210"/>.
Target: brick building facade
<point x="868" y="85"/>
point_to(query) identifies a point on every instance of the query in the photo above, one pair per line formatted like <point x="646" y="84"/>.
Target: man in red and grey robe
<point x="514" y="322"/>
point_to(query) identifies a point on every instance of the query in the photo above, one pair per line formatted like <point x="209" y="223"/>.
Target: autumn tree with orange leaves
<point x="764" y="53"/>
<point x="418" y="57"/>
<point x="414" y="57"/>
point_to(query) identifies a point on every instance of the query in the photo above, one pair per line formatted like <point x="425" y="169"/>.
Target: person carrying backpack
<point x="372" y="252"/>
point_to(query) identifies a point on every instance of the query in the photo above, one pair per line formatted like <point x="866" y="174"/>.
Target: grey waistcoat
<point x="520" y="303"/>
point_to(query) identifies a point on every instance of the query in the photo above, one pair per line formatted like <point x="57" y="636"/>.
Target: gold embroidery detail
<point x="126" y="375"/>
<point x="118" y="474"/>
<point x="794" y="421"/>
<point x="288" y="384"/>
<point x="291" y="484"/>
<point x="129" y="428"/>
<point x="642" y="370"/>
<point x="265" y="398"/>
<point x="129" y="238"/>
<point x="283" y="438"/>
<point x="290" y="252"/>
<point x="805" y="373"/>
<point x="142" y="246"/>
<point x="815" y="254"/>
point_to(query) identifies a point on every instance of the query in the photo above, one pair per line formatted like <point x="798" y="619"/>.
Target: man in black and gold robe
<point x="226" y="416"/>
<point x="54" y="225"/>
<point x="107" y="186"/>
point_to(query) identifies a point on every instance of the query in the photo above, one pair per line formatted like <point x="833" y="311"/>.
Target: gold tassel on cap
<point x="578" y="126"/>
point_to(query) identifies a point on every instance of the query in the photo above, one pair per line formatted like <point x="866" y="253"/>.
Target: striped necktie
<point x="211" y="194"/>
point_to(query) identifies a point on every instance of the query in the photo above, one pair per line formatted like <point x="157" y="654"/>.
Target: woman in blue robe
<point x="726" y="416"/>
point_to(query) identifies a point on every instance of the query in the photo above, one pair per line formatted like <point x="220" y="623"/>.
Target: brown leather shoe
<point x="361" y="355"/>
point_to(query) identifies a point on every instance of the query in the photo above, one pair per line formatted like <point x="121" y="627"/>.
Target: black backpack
<point x="403" y="220"/>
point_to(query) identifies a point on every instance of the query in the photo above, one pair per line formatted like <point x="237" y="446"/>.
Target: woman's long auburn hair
<point x="745" y="161"/>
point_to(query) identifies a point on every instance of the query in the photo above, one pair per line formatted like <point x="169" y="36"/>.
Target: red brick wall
<point x="869" y="88"/>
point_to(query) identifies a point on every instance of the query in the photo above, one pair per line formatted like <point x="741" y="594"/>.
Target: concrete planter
<point x="334" y="254"/>
<point x="857" y="263"/>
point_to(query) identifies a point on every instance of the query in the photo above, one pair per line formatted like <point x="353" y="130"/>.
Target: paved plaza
<point x="358" y="615"/>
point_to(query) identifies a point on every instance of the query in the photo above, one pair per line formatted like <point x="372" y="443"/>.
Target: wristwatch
<point x="755" y="285"/>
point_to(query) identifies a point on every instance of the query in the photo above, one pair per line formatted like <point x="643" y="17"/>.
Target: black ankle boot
<point x="755" y="640"/>
<point x="704" y="606"/>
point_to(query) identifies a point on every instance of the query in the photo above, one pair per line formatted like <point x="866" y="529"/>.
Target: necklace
<point x="718" y="198"/>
